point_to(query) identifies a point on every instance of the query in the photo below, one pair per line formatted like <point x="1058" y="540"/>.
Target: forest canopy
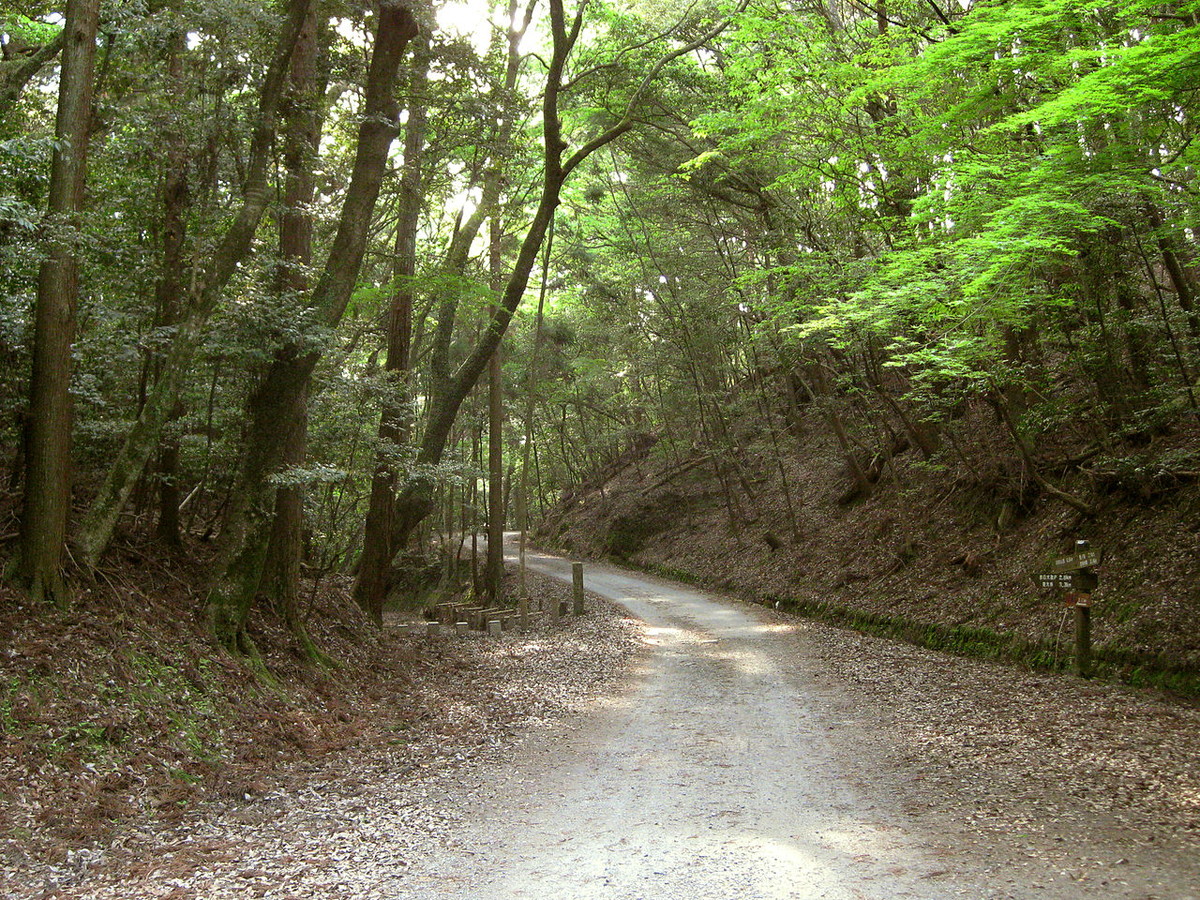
<point x="312" y="281"/>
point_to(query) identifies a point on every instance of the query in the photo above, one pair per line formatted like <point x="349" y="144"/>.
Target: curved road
<point x="721" y="773"/>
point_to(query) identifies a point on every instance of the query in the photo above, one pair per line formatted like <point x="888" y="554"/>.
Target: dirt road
<point x="731" y="767"/>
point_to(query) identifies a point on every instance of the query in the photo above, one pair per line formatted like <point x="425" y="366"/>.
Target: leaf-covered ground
<point x="121" y="729"/>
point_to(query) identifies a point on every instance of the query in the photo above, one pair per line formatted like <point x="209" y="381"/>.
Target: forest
<point x="294" y="289"/>
<point x="862" y="310"/>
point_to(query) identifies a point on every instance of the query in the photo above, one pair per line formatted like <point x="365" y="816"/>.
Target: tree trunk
<point x="494" y="572"/>
<point x="385" y="532"/>
<point x="371" y="583"/>
<point x="1184" y="286"/>
<point x="143" y="437"/>
<point x="170" y="285"/>
<point x="530" y="408"/>
<point x="303" y="118"/>
<point x="279" y="402"/>
<point x="48" y="451"/>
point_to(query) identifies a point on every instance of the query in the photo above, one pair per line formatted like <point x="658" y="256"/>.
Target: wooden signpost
<point x="1074" y="576"/>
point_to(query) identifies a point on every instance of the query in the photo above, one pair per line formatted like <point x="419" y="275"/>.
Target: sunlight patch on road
<point x="656" y="636"/>
<point x="776" y="628"/>
<point x="746" y="662"/>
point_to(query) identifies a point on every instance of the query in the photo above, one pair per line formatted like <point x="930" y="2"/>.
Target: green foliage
<point x="28" y="31"/>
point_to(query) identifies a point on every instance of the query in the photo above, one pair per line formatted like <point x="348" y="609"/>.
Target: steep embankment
<point x="939" y="550"/>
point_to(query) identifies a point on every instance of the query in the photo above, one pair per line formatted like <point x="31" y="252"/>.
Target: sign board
<point x="1068" y="581"/>
<point x="1084" y="559"/>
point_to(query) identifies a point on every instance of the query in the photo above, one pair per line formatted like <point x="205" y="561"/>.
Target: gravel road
<point x="715" y="775"/>
<point x="734" y="766"/>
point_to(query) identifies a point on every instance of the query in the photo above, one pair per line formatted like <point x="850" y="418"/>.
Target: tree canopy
<point x="307" y="228"/>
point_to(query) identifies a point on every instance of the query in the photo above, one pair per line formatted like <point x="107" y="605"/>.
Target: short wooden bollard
<point x="495" y="627"/>
<point x="555" y="610"/>
<point x="1083" y="636"/>
<point x="431" y="629"/>
<point x="523" y="615"/>
<point x="462" y="627"/>
<point x="577" y="585"/>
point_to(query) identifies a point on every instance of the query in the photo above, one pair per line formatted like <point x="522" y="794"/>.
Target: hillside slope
<point x="940" y="550"/>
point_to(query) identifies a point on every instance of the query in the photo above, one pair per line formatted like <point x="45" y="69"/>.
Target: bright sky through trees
<point x="468" y="18"/>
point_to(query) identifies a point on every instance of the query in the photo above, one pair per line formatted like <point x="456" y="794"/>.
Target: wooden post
<point x="577" y="584"/>
<point x="1076" y="575"/>
<point x="555" y="610"/>
<point x="523" y="613"/>
<point x="1083" y="636"/>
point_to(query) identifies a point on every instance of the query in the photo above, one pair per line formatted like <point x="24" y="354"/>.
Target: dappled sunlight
<point x="746" y="662"/>
<point x="655" y="635"/>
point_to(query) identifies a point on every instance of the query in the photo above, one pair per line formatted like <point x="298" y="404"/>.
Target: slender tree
<point x="48" y="453"/>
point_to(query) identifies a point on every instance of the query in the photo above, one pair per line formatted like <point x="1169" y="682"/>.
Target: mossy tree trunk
<point x="47" y="497"/>
<point x="370" y="587"/>
<point x="303" y="119"/>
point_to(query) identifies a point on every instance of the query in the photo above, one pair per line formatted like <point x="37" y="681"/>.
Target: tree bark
<point x="279" y="402"/>
<point x="47" y="496"/>
<point x="170" y="283"/>
<point x="303" y="119"/>
<point x="370" y="585"/>
<point x="494" y="571"/>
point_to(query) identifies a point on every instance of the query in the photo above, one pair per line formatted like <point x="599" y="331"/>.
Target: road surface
<point x="724" y="771"/>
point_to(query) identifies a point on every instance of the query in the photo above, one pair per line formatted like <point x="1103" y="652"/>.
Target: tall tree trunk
<point x="170" y="284"/>
<point x="494" y="571"/>
<point x="279" y="402"/>
<point x="530" y="408"/>
<point x="48" y="451"/>
<point x="303" y="118"/>
<point x="125" y="470"/>
<point x="493" y="575"/>
<point x="370" y="585"/>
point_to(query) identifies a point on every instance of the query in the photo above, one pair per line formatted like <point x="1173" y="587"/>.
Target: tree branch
<point x="627" y="122"/>
<point x="15" y="75"/>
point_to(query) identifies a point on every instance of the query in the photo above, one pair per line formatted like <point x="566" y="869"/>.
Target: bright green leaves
<point x="935" y="186"/>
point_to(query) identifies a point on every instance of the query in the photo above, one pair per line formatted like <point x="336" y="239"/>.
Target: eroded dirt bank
<point x="940" y="549"/>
